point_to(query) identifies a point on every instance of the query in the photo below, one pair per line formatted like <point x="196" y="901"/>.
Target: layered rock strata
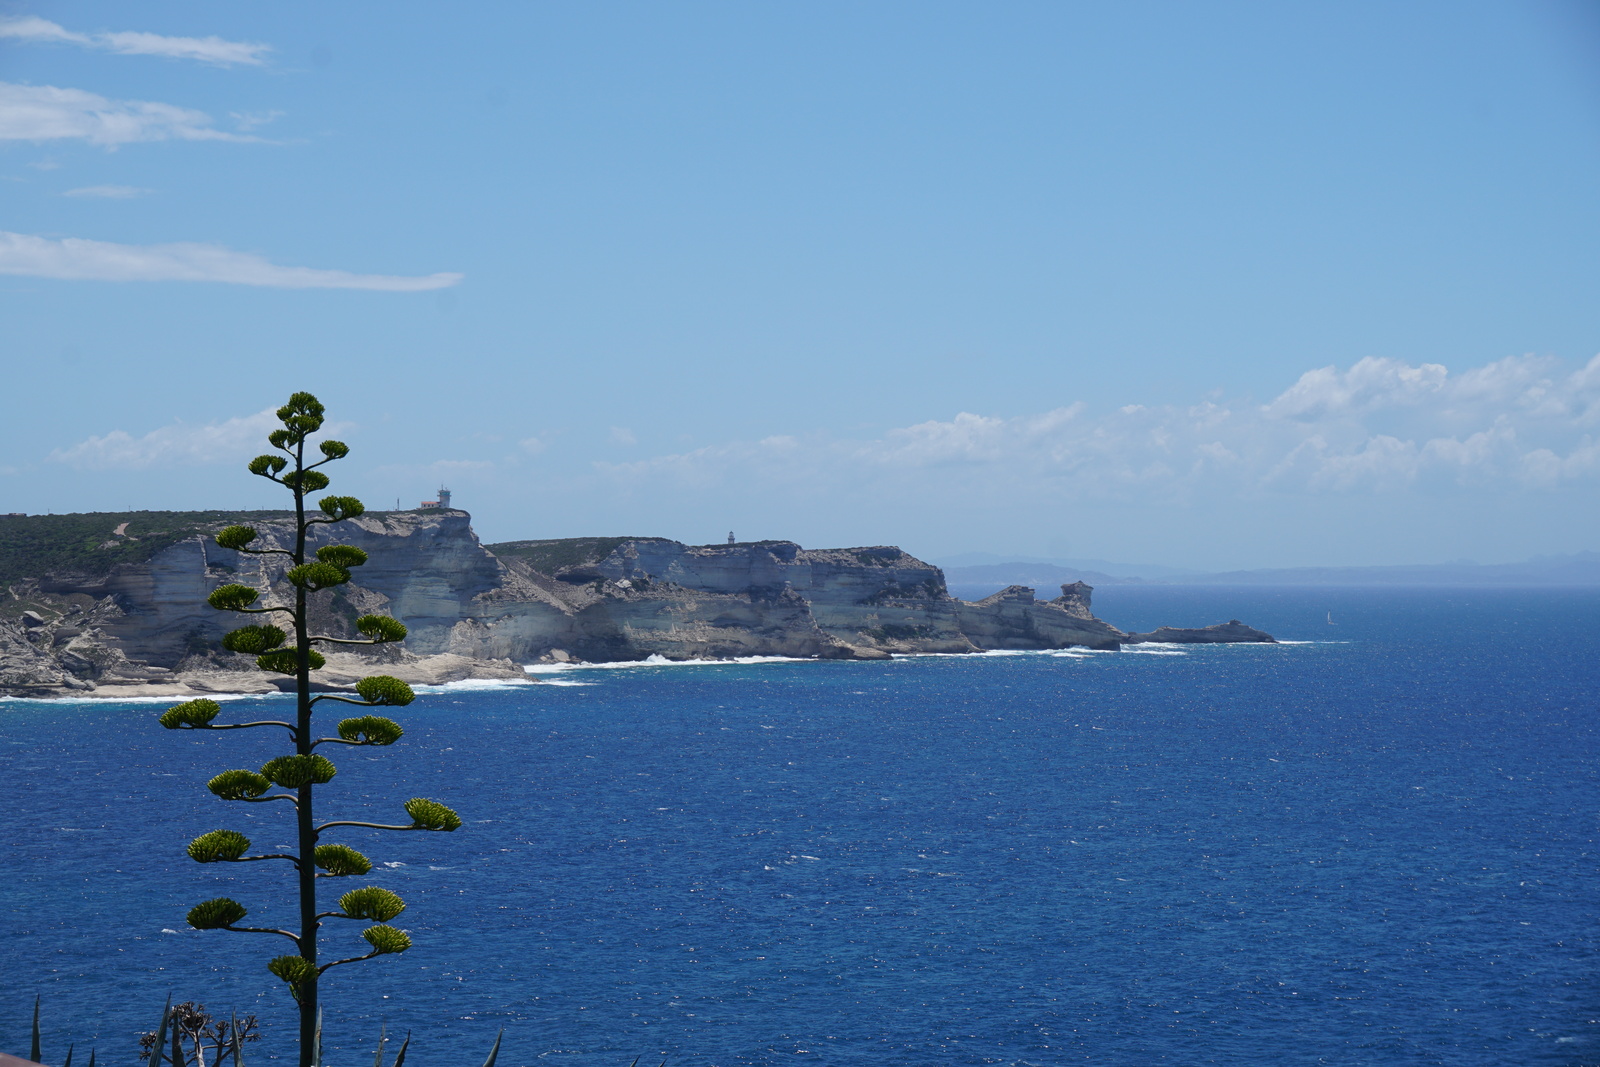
<point x="477" y="611"/>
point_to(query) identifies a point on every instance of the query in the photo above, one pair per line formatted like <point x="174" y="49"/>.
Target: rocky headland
<point x="114" y="605"/>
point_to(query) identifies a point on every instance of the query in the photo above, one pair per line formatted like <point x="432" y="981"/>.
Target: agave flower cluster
<point x="293" y="776"/>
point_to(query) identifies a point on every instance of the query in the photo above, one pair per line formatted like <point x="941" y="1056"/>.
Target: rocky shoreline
<point x="138" y="626"/>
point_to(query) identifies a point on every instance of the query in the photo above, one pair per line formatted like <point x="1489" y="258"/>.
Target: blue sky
<point x="1214" y="285"/>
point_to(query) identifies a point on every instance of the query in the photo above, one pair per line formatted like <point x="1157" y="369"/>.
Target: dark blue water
<point x="1377" y="848"/>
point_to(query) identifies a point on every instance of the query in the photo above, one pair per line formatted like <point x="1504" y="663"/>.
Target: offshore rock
<point x="1231" y="632"/>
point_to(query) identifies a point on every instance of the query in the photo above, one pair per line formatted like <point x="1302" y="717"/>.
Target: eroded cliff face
<point x="427" y="567"/>
<point x="590" y="599"/>
<point x="1014" y="619"/>
<point x="642" y="597"/>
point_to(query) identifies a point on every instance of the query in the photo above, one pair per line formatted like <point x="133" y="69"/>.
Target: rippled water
<point x="1374" y="847"/>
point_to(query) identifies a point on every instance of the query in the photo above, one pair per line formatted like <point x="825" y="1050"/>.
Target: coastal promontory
<point x="114" y="604"/>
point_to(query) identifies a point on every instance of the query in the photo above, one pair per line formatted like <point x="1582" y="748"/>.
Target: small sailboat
<point x="1330" y="619"/>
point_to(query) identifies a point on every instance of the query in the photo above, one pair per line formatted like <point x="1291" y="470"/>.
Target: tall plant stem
<point x="307" y="832"/>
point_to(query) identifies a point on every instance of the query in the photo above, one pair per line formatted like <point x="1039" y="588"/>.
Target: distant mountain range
<point x="971" y="561"/>
<point x="977" y="574"/>
<point x="975" y="583"/>
<point x="1581" y="568"/>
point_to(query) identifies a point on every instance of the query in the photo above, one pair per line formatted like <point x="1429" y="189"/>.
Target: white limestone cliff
<point x="473" y="612"/>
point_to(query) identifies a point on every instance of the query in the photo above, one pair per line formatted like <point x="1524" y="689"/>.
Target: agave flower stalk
<point x="291" y="649"/>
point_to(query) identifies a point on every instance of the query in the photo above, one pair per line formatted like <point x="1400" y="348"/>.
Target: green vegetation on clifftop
<point x="547" y="557"/>
<point x="32" y="546"/>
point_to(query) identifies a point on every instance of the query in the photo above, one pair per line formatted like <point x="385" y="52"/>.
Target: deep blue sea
<point x="1376" y="845"/>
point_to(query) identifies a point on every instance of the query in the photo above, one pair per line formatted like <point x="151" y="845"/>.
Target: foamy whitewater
<point x="1370" y="844"/>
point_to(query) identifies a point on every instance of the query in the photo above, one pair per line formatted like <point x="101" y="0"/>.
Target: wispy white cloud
<point x="33" y="28"/>
<point x="76" y="259"/>
<point x="47" y="113"/>
<point x="180" y="444"/>
<point x="249" y="120"/>
<point x="107" y="192"/>
<point x="213" y="50"/>
<point x="1378" y="427"/>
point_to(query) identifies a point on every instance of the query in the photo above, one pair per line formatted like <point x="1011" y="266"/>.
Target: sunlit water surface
<point x="1375" y="846"/>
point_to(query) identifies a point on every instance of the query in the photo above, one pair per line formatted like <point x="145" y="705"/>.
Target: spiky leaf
<point x="238" y="785"/>
<point x="340" y="860"/>
<point x="373" y="902"/>
<point x="283" y="661"/>
<point x="237" y="537"/>
<point x="292" y="772"/>
<point x="384" y="691"/>
<point x="431" y="815"/>
<point x="386" y="939"/>
<point x="253" y="640"/>
<point x="370" y="730"/>
<point x="218" y="845"/>
<point x="215" y="914"/>
<point x="196" y="714"/>
<point x="494" y="1052"/>
<point x="381" y="628"/>
<point x="233" y="597"/>
<point x="341" y="507"/>
<point x="344" y="556"/>
<point x="166" y="1017"/>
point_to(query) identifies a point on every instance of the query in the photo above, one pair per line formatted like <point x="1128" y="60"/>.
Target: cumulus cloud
<point x="48" y="113"/>
<point x="970" y="439"/>
<point x="213" y="50"/>
<point x="1370" y="384"/>
<point x="1379" y="427"/>
<point x="76" y="259"/>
